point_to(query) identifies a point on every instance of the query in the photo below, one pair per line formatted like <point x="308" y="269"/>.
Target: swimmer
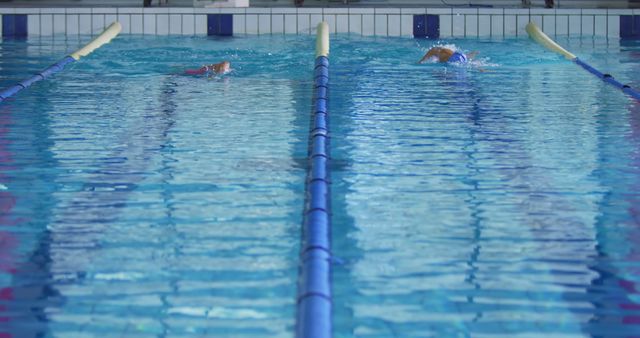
<point x="444" y="54"/>
<point x="216" y="68"/>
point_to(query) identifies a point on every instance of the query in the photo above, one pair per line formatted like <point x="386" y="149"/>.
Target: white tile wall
<point x="497" y="25"/>
<point x="406" y="25"/>
<point x="613" y="25"/>
<point x="393" y="25"/>
<point x="304" y="25"/>
<point x="110" y="18"/>
<point x="84" y="24"/>
<point x="264" y="24"/>
<point x="456" y="22"/>
<point x="148" y="24"/>
<point x="290" y="24"/>
<point x="188" y="24"/>
<point x="239" y="23"/>
<point x="136" y="24"/>
<point x="277" y="24"/>
<point x="368" y="25"/>
<point x="509" y="25"/>
<point x="331" y="21"/>
<point x="46" y="24"/>
<point x="471" y="26"/>
<point x="521" y="24"/>
<point x="562" y="25"/>
<point x="537" y="19"/>
<point x="73" y="24"/>
<point x="587" y="25"/>
<point x="549" y="24"/>
<point x="59" y="24"/>
<point x="575" y="25"/>
<point x="484" y="25"/>
<point x="97" y="23"/>
<point x="600" y="25"/>
<point x="251" y="24"/>
<point x="445" y="26"/>
<point x="355" y="24"/>
<point x="175" y="24"/>
<point x="342" y="24"/>
<point x="458" y="25"/>
<point x="33" y="24"/>
<point x="125" y="21"/>
<point x="162" y="24"/>
<point x="380" y="25"/>
<point x="313" y="24"/>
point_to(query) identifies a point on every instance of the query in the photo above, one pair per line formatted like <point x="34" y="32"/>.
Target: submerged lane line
<point x="314" y="281"/>
<point x="539" y="36"/>
<point x="109" y="33"/>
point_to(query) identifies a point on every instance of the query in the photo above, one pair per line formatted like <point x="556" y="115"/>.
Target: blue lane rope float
<point x="314" y="284"/>
<point x="109" y="33"/>
<point x="539" y="36"/>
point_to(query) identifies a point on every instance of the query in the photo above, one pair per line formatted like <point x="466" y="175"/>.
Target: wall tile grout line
<point x="54" y="22"/>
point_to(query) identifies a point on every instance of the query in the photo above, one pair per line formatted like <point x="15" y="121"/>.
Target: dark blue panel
<point x="626" y="26"/>
<point x="8" y="25"/>
<point x="636" y="26"/>
<point x="213" y="24"/>
<point x="226" y="25"/>
<point x="433" y="26"/>
<point x="20" y="25"/>
<point x="419" y="26"/>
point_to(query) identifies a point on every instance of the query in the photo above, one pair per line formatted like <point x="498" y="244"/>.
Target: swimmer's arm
<point x="198" y="71"/>
<point x="428" y="55"/>
<point x="472" y="55"/>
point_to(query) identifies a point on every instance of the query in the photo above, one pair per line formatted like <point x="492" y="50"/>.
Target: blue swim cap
<point x="458" y="57"/>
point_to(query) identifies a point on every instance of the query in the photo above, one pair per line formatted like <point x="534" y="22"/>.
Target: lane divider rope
<point x="107" y="35"/>
<point x="539" y="36"/>
<point x="314" y="308"/>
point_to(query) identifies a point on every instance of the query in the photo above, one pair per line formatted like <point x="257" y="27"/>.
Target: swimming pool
<point x="492" y="200"/>
<point x="483" y="204"/>
<point x="141" y="202"/>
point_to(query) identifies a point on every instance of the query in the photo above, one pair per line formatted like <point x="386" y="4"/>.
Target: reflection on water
<point x="482" y="203"/>
<point x="153" y="204"/>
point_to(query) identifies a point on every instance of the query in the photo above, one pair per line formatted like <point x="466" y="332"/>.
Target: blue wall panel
<point x="226" y="24"/>
<point x="426" y="26"/>
<point x="8" y="23"/>
<point x="630" y="26"/>
<point x="14" y="25"/>
<point x="213" y="24"/>
<point x="220" y="24"/>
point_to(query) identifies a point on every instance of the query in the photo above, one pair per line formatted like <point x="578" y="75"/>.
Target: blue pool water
<point x="496" y="200"/>
<point x="492" y="200"/>
<point x="139" y="202"/>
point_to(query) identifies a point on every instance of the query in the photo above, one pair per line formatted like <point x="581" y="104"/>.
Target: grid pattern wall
<point x="453" y="22"/>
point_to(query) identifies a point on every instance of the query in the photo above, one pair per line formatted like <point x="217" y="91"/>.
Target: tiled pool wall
<point x="408" y="22"/>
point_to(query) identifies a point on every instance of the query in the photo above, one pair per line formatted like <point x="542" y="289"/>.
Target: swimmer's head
<point x="223" y="67"/>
